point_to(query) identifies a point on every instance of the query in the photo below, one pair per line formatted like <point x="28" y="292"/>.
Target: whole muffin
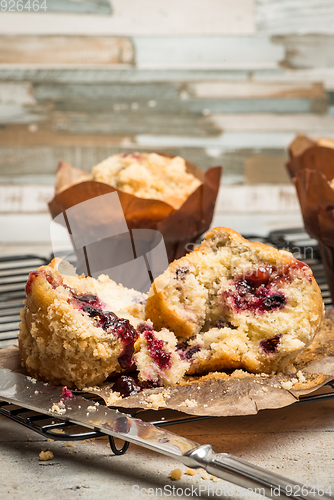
<point x="237" y="304"/>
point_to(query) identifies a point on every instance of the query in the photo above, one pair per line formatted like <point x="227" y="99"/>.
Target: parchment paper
<point x="311" y="166"/>
<point x="178" y="227"/>
<point x="222" y="394"/>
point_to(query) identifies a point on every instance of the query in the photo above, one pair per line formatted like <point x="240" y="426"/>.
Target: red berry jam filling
<point x="270" y="345"/>
<point x="222" y="322"/>
<point x="49" y="278"/>
<point x="128" y="336"/>
<point x="87" y="298"/>
<point x="129" y="386"/>
<point x="192" y="351"/>
<point x="126" y="386"/>
<point x="143" y="327"/>
<point x="67" y="394"/>
<point x="155" y="347"/>
<point x="110" y="323"/>
<point x="185" y="353"/>
<point x="257" y="292"/>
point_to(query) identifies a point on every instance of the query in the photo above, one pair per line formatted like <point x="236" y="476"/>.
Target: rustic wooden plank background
<point x="215" y="81"/>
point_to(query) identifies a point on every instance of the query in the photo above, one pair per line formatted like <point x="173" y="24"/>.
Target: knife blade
<point x="37" y="396"/>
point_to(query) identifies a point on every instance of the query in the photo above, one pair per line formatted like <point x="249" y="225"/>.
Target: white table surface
<point x="296" y="442"/>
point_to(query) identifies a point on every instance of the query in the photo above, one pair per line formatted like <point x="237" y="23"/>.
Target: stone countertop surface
<point x="296" y="442"/>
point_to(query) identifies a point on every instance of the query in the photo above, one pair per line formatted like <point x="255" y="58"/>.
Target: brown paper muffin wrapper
<point x="179" y="228"/>
<point x="222" y="394"/>
<point x="311" y="167"/>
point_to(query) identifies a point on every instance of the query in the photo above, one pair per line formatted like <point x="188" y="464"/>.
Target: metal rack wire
<point x="14" y="271"/>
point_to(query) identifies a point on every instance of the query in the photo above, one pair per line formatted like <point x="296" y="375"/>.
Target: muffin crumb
<point x="175" y="474"/>
<point x="46" y="455"/>
<point x="190" y="472"/>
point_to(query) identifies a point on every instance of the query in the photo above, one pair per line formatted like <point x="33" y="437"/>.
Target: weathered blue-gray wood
<point x="227" y="140"/>
<point x="115" y="91"/>
<point x="17" y="113"/>
<point x="142" y="108"/>
<point x="307" y="51"/>
<point x="130" y="124"/>
<point x="103" y="75"/>
<point x="101" y="7"/>
<point x="152" y="99"/>
<point x="215" y="52"/>
<point x="133" y="100"/>
<point x="109" y="109"/>
<point x="294" y="16"/>
<point x="43" y="160"/>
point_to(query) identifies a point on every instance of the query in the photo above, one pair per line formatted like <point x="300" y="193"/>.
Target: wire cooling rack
<point x="14" y="271"/>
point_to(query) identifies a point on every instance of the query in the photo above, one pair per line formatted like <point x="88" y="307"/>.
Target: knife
<point x="37" y="396"/>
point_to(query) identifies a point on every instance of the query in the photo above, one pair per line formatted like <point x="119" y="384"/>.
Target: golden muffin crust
<point x="237" y="304"/>
<point x="148" y="175"/>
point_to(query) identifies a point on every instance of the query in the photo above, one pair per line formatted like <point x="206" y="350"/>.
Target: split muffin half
<point x="234" y="303"/>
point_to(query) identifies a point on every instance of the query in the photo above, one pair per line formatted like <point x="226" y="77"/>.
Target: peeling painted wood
<point x="148" y="108"/>
<point x="115" y="91"/>
<point x="126" y="122"/>
<point x="112" y="109"/>
<point x="115" y="74"/>
<point x="142" y="17"/>
<point x="256" y="89"/>
<point x="20" y="93"/>
<point x="294" y="16"/>
<point x="231" y="199"/>
<point x="44" y="159"/>
<point x="35" y="135"/>
<point x="18" y="229"/>
<point x="17" y="113"/>
<point x="18" y="199"/>
<point x="65" y="50"/>
<point x="29" y="162"/>
<point x="229" y="140"/>
<point x="101" y="7"/>
<point x="158" y="52"/>
<point x="308" y="51"/>
<point x="323" y="75"/>
<point x="257" y="199"/>
<point x="311" y="124"/>
<point x="104" y="114"/>
<point x="173" y="90"/>
<point x="207" y="52"/>
<point x="32" y="228"/>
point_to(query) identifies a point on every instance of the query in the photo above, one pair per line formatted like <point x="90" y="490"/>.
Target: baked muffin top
<point x="148" y="175"/>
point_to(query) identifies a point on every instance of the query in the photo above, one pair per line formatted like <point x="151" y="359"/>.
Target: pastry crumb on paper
<point x="190" y="403"/>
<point x="156" y="401"/>
<point x="58" y="408"/>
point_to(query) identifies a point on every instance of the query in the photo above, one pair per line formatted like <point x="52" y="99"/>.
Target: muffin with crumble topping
<point x="237" y="304"/>
<point x="78" y="331"/>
